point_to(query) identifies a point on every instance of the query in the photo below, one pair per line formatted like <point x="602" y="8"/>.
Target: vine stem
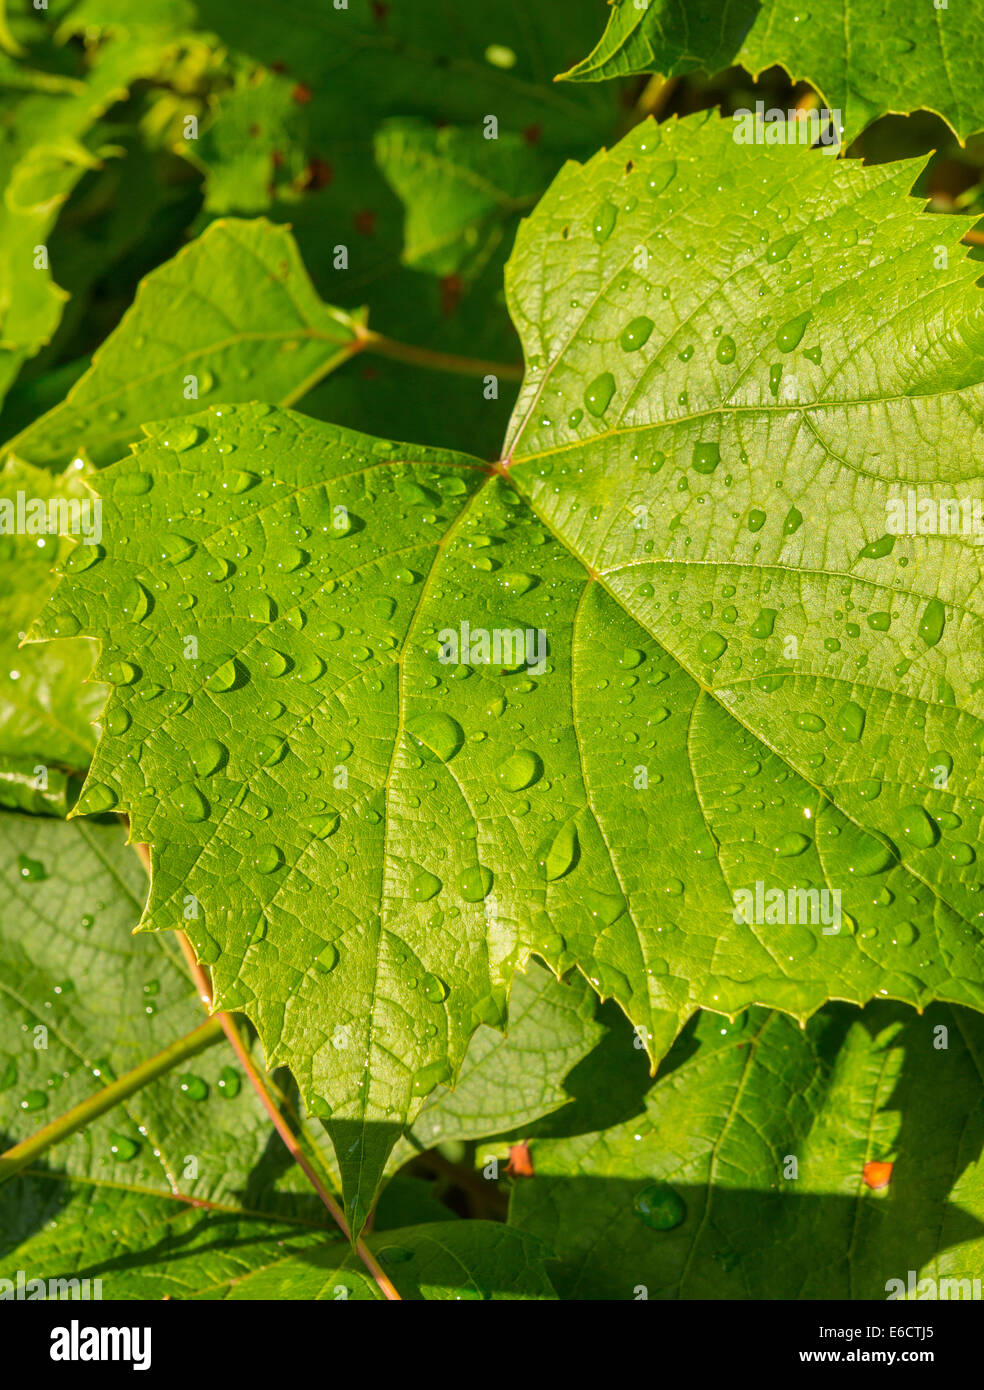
<point x="227" y="1025"/>
<point x="439" y="361"/>
<point x="206" y="1035"/>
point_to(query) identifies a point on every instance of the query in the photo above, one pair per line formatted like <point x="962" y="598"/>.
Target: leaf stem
<point x="227" y="1023"/>
<point x="206" y="1035"/>
<point x="439" y="361"/>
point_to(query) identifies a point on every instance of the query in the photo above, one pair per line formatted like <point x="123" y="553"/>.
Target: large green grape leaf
<point x="865" y="59"/>
<point x="704" y="705"/>
<point x="144" y="1248"/>
<point x="743" y="1176"/>
<point x="46" y="708"/>
<point x="234" y="315"/>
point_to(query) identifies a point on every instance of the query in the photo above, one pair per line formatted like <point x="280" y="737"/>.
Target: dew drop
<point x="659" y="1206"/>
<point x="850" y="721"/>
<point x="604" y="222"/>
<point x="207" y="756"/>
<point x="323" y="825"/>
<point x="711" y="646"/>
<point x="705" y="457"/>
<point x="122" y="1147"/>
<point x="476" y="883"/>
<point x="191" y="803"/>
<point x="519" y="771"/>
<point x="558" y="854"/>
<point x="437" y="734"/>
<point x="791" y="333"/>
<point x="184" y="436"/>
<point x="433" y="988"/>
<point x="95" y="799"/>
<point x="598" y="393"/>
<point x="267" y="859"/>
<point x="918" y="827"/>
<point x="229" y="1083"/>
<point x="636" y="334"/>
<point x="932" y="622"/>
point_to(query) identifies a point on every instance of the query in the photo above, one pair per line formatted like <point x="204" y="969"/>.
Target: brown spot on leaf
<point x="318" y="174"/>
<point x="452" y="288"/>
<point x="301" y="94"/>
<point x="532" y="134"/>
<point x="365" y="222"/>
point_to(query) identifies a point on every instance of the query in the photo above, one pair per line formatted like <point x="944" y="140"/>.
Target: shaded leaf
<point x="742" y="1178"/>
<point x="46" y="706"/>
<point x="858" y="56"/>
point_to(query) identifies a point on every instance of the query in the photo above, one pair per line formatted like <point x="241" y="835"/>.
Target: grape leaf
<point x="144" y="1249"/>
<point x="269" y="573"/>
<point x="303" y="135"/>
<point x="104" y="1001"/>
<point x="233" y="315"/>
<point x="51" y="141"/>
<point x="507" y="1082"/>
<point x="46" y="710"/>
<point x="864" y="59"/>
<point x="697" y="1196"/>
<point x="461" y="191"/>
<point x="108" y="1202"/>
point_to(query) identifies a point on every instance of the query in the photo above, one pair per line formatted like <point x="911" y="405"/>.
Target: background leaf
<point x="865" y="59"/>
<point x="235" y="311"/>
<point x="47" y="704"/>
<point x="695" y="1196"/>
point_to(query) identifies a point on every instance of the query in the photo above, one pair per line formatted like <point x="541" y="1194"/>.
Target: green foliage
<point x="761" y="1131"/>
<point x="859" y="57"/>
<point x="573" y="814"/>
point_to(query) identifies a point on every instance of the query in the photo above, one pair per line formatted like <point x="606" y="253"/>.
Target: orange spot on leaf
<point x="301" y="94"/>
<point x="877" y="1174"/>
<point x="520" y="1163"/>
